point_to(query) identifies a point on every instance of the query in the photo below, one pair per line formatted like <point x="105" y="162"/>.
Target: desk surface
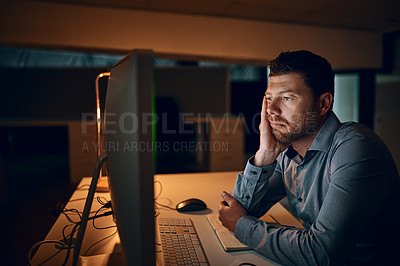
<point x="99" y="244"/>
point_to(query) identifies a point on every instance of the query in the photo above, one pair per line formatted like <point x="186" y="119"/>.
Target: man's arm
<point x="259" y="188"/>
<point x="356" y="193"/>
<point x="254" y="189"/>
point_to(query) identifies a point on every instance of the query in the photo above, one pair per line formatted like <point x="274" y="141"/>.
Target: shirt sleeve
<point x="259" y="188"/>
<point x="356" y="173"/>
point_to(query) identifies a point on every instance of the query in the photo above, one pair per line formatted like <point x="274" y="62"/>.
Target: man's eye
<point x="286" y="98"/>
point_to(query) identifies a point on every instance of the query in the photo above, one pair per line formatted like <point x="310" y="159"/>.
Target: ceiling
<point x="368" y="15"/>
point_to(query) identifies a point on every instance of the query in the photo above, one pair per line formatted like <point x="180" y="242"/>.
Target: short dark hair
<point x="316" y="71"/>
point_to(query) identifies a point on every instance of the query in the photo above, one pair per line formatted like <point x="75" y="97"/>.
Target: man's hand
<point x="269" y="147"/>
<point x="230" y="211"/>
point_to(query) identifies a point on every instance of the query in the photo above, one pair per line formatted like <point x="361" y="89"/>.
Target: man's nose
<point x="273" y="107"/>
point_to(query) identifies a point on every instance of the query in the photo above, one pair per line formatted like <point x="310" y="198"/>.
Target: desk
<point x="175" y="187"/>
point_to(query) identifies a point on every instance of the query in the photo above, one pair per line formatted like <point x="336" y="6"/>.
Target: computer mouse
<point x="190" y="205"/>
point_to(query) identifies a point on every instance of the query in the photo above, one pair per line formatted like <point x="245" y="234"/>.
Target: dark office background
<point x="42" y="85"/>
<point x="39" y="85"/>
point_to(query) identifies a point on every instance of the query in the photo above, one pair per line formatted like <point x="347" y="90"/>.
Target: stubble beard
<point x="301" y="126"/>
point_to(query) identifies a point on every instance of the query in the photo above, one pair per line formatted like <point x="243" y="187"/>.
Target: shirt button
<point x="253" y="172"/>
<point x="300" y="199"/>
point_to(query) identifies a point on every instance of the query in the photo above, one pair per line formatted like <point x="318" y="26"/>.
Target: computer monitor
<point x="128" y="133"/>
<point x="128" y="130"/>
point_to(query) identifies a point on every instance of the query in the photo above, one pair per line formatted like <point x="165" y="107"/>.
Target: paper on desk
<point x="110" y="259"/>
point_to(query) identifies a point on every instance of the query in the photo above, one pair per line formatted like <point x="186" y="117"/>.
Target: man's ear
<point x="325" y="103"/>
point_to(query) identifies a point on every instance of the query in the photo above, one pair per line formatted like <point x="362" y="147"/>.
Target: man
<point x="340" y="179"/>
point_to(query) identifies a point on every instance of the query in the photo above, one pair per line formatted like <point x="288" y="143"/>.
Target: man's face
<point x="291" y="110"/>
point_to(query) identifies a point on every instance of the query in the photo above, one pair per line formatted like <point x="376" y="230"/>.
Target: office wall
<point x="196" y="90"/>
<point x="387" y="114"/>
<point x="41" y="24"/>
<point x="42" y="94"/>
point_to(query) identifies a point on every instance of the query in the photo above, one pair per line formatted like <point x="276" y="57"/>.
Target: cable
<point x="65" y="243"/>
<point x="107" y="227"/>
<point x="77" y="212"/>
<point x="94" y="244"/>
<point x="166" y="206"/>
<point x="71" y="210"/>
<point x="101" y="200"/>
<point x="70" y="243"/>
<point x="61" y="206"/>
<point x="105" y="205"/>
<point x="38" y="244"/>
<point x="100" y="161"/>
<point x="79" y="225"/>
<point x="52" y="256"/>
<point x="63" y="232"/>
<point x="159" y="194"/>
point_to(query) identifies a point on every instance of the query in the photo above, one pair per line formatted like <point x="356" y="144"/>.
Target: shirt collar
<point x="325" y="135"/>
<point x="321" y="142"/>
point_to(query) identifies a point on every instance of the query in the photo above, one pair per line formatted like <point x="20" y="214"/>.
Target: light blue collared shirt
<point x="346" y="191"/>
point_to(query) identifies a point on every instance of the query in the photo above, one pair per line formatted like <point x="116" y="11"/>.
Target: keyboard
<point x="228" y="240"/>
<point x="180" y="243"/>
